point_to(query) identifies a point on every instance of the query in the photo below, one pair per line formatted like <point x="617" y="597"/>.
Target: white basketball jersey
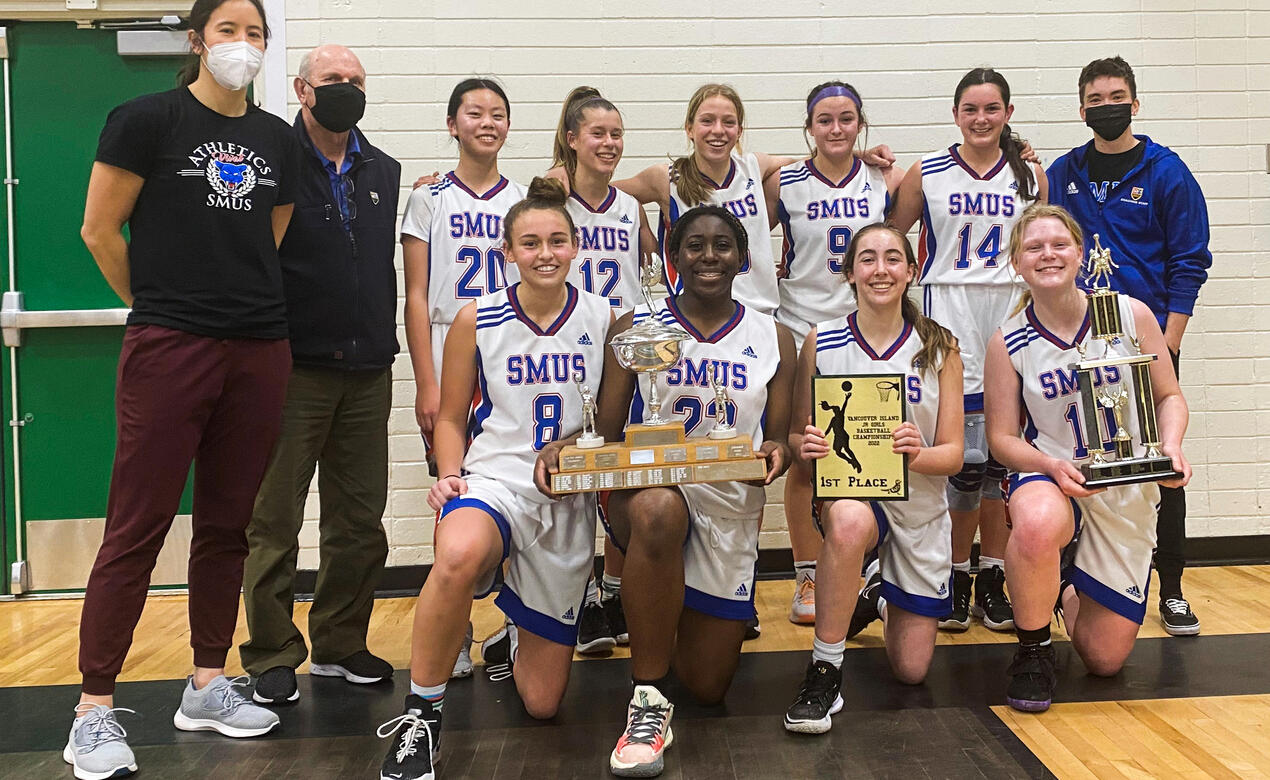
<point x="740" y="192"/>
<point x="966" y="221"/>
<point x="818" y="217"/>
<point x="1054" y="420"/>
<point x="841" y="349"/>
<point x="746" y="354"/>
<point x="608" y="248"/>
<point x="525" y="380"/>
<point x="464" y="232"/>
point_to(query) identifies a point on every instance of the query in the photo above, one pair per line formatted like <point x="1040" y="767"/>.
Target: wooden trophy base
<point x="1128" y="472"/>
<point x="654" y="455"/>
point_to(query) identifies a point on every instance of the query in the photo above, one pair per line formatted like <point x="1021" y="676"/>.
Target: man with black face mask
<point x="341" y="295"/>
<point x="1147" y="208"/>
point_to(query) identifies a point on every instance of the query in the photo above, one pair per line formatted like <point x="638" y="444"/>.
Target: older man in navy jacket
<point x="1148" y="210"/>
<point x="341" y="291"/>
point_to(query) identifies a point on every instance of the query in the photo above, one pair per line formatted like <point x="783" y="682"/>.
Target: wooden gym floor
<point x="1182" y="707"/>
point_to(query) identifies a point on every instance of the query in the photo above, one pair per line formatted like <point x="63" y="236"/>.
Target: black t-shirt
<point x="1106" y="170"/>
<point x="202" y="254"/>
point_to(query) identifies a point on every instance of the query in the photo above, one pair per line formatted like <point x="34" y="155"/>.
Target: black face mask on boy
<point x="1109" y="120"/>
<point x="338" y="107"/>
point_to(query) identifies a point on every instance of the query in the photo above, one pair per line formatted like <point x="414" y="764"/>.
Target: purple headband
<point x="833" y="90"/>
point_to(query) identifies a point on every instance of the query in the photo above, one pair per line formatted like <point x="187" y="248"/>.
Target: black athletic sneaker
<point x="276" y="686"/>
<point x="616" y="617"/>
<point x="361" y="667"/>
<point x="416" y="742"/>
<point x="959" y="618"/>
<point x="1176" y="614"/>
<point x="752" y="629"/>
<point x="499" y="653"/>
<point x="1063" y="585"/>
<point x="594" y="633"/>
<point x="1032" y="678"/>
<point x="818" y="699"/>
<point x="866" y="604"/>
<point x="991" y="605"/>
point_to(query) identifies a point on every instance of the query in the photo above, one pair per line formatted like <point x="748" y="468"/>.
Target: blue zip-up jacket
<point x="1155" y="223"/>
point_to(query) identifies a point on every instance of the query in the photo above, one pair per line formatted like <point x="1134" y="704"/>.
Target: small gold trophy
<point x="656" y="451"/>
<point x="1117" y="466"/>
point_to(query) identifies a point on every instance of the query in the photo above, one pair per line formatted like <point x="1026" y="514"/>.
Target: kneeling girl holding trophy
<point x="907" y="585"/>
<point x="527" y="348"/>
<point x="1080" y="370"/>
<point x="724" y="372"/>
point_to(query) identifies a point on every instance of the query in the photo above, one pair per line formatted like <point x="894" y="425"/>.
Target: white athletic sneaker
<point x="97" y="747"/>
<point x="220" y="707"/>
<point x="639" y="750"/>
<point x="803" y="608"/>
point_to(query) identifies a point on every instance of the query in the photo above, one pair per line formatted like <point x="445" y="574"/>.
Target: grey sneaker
<point x="220" y="706"/>
<point x="97" y="748"/>
<point x="463" y="664"/>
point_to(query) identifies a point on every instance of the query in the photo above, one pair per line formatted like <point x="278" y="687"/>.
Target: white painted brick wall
<point x="1203" y="69"/>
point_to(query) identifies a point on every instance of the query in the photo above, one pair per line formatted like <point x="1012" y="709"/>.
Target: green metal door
<point x="64" y="81"/>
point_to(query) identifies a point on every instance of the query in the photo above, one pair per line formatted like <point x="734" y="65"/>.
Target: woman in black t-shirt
<point x="204" y="180"/>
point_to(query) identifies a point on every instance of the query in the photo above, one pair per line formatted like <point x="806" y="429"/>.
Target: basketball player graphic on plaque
<point x="858" y="414"/>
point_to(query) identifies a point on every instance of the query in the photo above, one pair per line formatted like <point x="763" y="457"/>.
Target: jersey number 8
<point x="548" y="411"/>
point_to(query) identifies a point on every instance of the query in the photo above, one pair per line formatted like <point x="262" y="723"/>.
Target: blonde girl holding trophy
<point x="908" y="585"/>
<point x="1088" y="549"/>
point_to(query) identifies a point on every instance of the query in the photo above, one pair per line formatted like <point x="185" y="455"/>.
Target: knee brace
<point x="976" y="441"/>
<point x="993" y="475"/>
<point x="965" y="486"/>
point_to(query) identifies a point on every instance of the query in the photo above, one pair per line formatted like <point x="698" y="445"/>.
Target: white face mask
<point x="234" y="64"/>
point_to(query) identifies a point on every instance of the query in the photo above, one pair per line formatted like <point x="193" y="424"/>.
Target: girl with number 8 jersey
<point x="523" y="347"/>
<point x="968" y="197"/>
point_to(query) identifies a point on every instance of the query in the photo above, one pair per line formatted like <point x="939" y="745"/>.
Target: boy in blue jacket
<point x="1148" y="210"/>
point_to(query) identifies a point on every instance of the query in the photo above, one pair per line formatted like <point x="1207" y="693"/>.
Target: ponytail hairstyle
<point x="937" y="341"/>
<point x="1011" y="144"/>
<point x="579" y="101"/>
<point x="692" y="215"/>
<point x="200" y="14"/>
<point x="683" y="170"/>
<point x="545" y="194"/>
<point x="1031" y="214"/>
<point x="835" y="88"/>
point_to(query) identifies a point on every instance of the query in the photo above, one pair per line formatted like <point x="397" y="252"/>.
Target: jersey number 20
<point x="488" y="265"/>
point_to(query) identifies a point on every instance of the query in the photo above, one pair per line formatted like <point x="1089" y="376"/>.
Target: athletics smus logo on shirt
<point x="232" y="171"/>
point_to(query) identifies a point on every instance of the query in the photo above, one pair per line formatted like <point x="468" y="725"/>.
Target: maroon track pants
<point x="181" y="398"/>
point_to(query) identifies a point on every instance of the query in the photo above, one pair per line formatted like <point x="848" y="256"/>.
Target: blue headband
<point x="833" y="91"/>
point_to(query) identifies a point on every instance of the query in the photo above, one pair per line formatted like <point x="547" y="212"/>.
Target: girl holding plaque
<point x="1087" y="550"/>
<point x="688" y="581"/>
<point x="967" y="196"/>
<point x="907" y="586"/>
<point x="820" y="202"/>
<point x="524" y="347"/>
